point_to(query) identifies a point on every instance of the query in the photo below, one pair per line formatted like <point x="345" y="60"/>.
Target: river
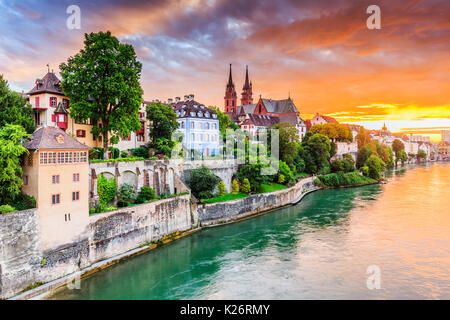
<point x="318" y="249"/>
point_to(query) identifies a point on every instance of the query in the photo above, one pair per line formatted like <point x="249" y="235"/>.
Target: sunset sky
<point x="321" y="52"/>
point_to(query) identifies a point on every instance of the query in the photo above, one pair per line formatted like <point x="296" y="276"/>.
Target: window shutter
<point x="36" y="102"/>
<point x="53" y="118"/>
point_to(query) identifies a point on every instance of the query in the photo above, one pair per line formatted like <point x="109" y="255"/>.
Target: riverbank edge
<point x="51" y="288"/>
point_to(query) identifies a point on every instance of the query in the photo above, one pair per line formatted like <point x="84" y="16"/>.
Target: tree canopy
<point x="14" y="109"/>
<point x="363" y="138"/>
<point x="11" y="150"/>
<point x="224" y="121"/>
<point x="334" y="131"/>
<point x="102" y="83"/>
<point x="288" y="141"/>
<point x="315" y="151"/>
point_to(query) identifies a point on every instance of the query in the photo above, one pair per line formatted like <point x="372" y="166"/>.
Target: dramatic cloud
<point x="320" y="52"/>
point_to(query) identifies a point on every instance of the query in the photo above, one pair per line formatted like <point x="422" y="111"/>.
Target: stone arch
<point x="108" y="175"/>
<point x="128" y="177"/>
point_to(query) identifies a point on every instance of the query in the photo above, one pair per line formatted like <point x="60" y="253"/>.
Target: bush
<point x="96" y="153"/>
<point x="124" y="154"/>
<point x="140" y="152"/>
<point x="202" y="182"/>
<point x="344" y="179"/>
<point x="253" y="174"/>
<point x="222" y="190"/>
<point x="349" y="162"/>
<point x="106" y="190"/>
<point x="126" y="196"/>
<point x="246" y="188"/>
<point x="281" y="178"/>
<point x="234" y="186"/>
<point x="285" y="171"/>
<point x="146" y="194"/>
<point x="376" y="166"/>
<point x="23" y="202"/>
<point x="6" y="208"/>
<point x="115" y="152"/>
<point x="337" y="165"/>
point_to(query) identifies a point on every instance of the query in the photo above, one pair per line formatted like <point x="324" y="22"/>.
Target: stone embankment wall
<point x="23" y="263"/>
<point x="231" y="210"/>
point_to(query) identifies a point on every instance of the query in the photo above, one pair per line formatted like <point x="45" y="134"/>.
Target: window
<point x="182" y="124"/>
<point x="61" y="118"/>
<point x="81" y="133"/>
<point x="36" y="102"/>
<point x="76" y="177"/>
<point x="76" y="157"/>
<point x="83" y="156"/>
<point x="192" y="137"/>
<point x="60" y="157"/>
<point x="66" y="103"/>
<point x="75" y="195"/>
<point x="55" y="179"/>
<point x="67" y="216"/>
<point x="68" y="157"/>
<point x="53" y="102"/>
<point x="43" y="158"/>
<point x="51" y="157"/>
<point x="25" y="180"/>
<point x="192" y="125"/>
<point x="56" y="198"/>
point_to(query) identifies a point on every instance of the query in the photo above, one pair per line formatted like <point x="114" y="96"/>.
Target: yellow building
<point x="56" y="173"/>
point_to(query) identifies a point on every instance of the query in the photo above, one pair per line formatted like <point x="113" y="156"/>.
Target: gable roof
<point x="292" y="119"/>
<point x="45" y="138"/>
<point x="280" y="106"/>
<point x="191" y="106"/>
<point x="245" y="109"/>
<point x="49" y="83"/>
<point x="261" y="120"/>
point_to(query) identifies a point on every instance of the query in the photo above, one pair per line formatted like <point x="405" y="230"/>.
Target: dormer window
<point x="207" y="114"/>
<point x="214" y="116"/>
<point x="200" y="114"/>
<point x="192" y="114"/>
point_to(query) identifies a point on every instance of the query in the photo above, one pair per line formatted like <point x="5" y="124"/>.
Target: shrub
<point x="115" y="152"/>
<point x="343" y="179"/>
<point x="145" y="194"/>
<point x="222" y="190"/>
<point x="337" y="165"/>
<point x="234" y="186"/>
<point x="126" y="196"/>
<point x="124" y="154"/>
<point x="202" y="182"/>
<point x="376" y="166"/>
<point x="246" y="186"/>
<point x="285" y="171"/>
<point x="140" y="152"/>
<point x="96" y="153"/>
<point x="6" y="208"/>
<point x="349" y="162"/>
<point x="23" y="202"/>
<point x="281" y="178"/>
<point x="106" y="190"/>
<point x="253" y="174"/>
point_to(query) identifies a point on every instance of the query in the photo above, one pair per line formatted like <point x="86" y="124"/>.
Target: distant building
<point x="445" y="135"/>
<point x="254" y="117"/>
<point x="321" y="119"/>
<point x="56" y="173"/>
<point x="199" y="126"/>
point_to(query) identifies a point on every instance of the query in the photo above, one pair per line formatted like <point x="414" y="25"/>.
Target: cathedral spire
<point x="247" y="94"/>
<point x="246" y="84"/>
<point x="230" y="78"/>
<point x="230" y="95"/>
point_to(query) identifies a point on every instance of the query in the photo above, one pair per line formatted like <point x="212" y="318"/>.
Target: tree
<point x="221" y="189"/>
<point x="397" y="146"/>
<point x="246" y="188"/>
<point x="253" y="173"/>
<point x="127" y="195"/>
<point x="421" y="155"/>
<point x="337" y="165"/>
<point x="363" y="154"/>
<point x="202" y="182"/>
<point x="375" y="166"/>
<point x="11" y="150"/>
<point x="224" y="121"/>
<point x="285" y="171"/>
<point x="288" y="140"/>
<point x="315" y="151"/>
<point x="163" y="122"/>
<point x="363" y="138"/>
<point x="234" y="186"/>
<point x="349" y="162"/>
<point x="14" y="109"/>
<point x="334" y="131"/>
<point x="145" y="194"/>
<point x="402" y="156"/>
<point x="106" y="189"/>
<point x="102" y="83"/>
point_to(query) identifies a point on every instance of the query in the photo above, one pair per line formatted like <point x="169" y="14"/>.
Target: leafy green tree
<point x="11" y="150"/>
<point x="140" y="152"/>
<point x="246" y="188"/>
<point x="285" y="171"/>
<point x="202" y="182"/>
<point x="234" y="186"/>
<point x="102" y="83"/>
<point x="397" y="146"/>
<point x="315" y="151"/>
<point x="145" y="194"/>
<point x="363" y="154"/>
<point x="221" y="189"/>
<point x="375" y="167"/>
<point x="402" y="156"/>
<point x="288" y="140"/>
<point x="14" y="109"/>
<point x="349" y="162"/>
<point x="163" y="122"/>
<point x="126" y="195"/>
<point x="224" y="121"/>
<point x="337" y="165"/>
<point x="421" y="155"/>
<point x="106" y="189"/>
<point x="253" y="173"/>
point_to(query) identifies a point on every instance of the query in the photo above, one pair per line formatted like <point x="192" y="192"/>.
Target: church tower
<point x="247" y="94"/>
<point x="230" y="96"/>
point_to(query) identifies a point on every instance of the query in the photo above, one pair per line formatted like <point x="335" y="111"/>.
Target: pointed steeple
<point x="247" y="94"/>
<point x="230" y="95"/>
<point x="230" y="78"/>
<point x="246" y="84"/>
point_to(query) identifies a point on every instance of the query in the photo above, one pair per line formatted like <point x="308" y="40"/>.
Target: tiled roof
<point x="330" y="119"/>
<point x="247" y="108"/>
<point x="233" y="116"/>
<point x="61" y="109"/>
<point x="292" y="119"/>
<point x="260" y="120"/>
<point x="280" y="106"/>
<point x="183" y="109"/>
<point x="49" y="83"/>
<point x="53" y="138"/>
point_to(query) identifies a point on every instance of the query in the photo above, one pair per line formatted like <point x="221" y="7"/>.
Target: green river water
<point x="318" y="249"/>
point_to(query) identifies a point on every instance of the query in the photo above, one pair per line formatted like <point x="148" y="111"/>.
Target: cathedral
<point x="262" y="114"/>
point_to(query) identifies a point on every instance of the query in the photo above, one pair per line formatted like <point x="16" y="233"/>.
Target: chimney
<point x="191" y="97"/>
<point x="169" y="100"/>
<point x="186" y="97"/>
<point x="177" y="99"/>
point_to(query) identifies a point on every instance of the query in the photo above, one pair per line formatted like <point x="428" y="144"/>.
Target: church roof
<point x="247" y="108"/>
<point x="292" y="119"/>
<point x="261" y="120"/>
<point x="53" y="138"/>
<point x="280" y="106"/>
<point x="49" y="83"/>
